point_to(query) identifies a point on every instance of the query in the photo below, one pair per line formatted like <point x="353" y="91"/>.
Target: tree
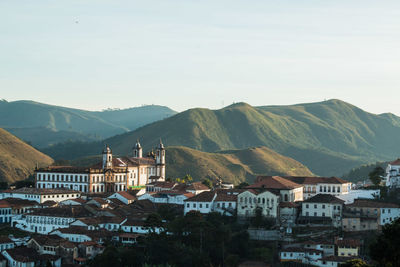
<point x="207" y="182"/>
<point x="242" y="185"/>
<point x="376" y="175"/>
<point x="355" y="263"/>
<point x="385" y="250"/>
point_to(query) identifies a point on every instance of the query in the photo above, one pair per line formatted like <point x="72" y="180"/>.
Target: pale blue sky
<point x="96" y="54"/>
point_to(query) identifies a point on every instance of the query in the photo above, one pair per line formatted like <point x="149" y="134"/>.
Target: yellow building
<point x="348" y="247"/>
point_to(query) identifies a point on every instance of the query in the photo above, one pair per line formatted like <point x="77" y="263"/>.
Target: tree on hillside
<point x="385" y="250"/>
<point x="376" y="175"/>
<point x="186" y="179"/>
<point x="355" y="263"/>
<point x="207" y="182"/>
<point x="242" y="185"/>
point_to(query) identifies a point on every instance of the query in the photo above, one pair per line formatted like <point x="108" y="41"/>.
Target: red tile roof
<point x="197" y="186"/>
<point x="324" y="198"/>
<point x="347" y="243"/>
<point x="126" y="195"/>
<point x="396" y="162"/>
<point x="367" y="203"/>
<point x="274" y="182"/>
<point x="315" y="180"/>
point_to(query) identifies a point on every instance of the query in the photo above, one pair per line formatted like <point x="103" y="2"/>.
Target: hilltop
<point x="18" y="159"/>
<point x="36" y="122"/>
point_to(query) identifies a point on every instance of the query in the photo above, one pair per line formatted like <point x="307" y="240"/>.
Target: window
<point x="207" y="206"/>
<point x="307" y="206"/>
<point x="323" y="206"/>
<point x="307" y="214"/>
<point x="188" y="205"/>
<point x="315" y="206"/>
<point x="200" y="205"/>
<point x="315" y="214"/>
<point x="323" y="214"/>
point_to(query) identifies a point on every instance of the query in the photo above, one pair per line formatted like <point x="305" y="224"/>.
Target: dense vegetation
<point x="193" y="240"/>
<point x="361" y="173"/>
<point x="42" y="124"/>
<point x="18" y="159"/>
<point x="329" y="137"/>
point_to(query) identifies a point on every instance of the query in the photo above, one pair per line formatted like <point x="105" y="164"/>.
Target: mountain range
<point x="42" y="125"/>
<point x="326" y="138"/>
<point x="329" y="137"/>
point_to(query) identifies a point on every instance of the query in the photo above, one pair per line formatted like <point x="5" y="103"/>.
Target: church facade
<point x="112" y="174"/>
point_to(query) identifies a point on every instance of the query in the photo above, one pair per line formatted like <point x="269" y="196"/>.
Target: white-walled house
<point x="289" y="191"/>
<point x="10" y="207"/>
<point x="321" y="207"/>
<point x="167" y="197"/>
<point x="43" y="221"/>
<point x="251" y="200"/>
<point x="384" y="212"/>
<point x="313" y="185"/>
<point x="124" y="196"/>
<point x="202" y="202"/>
<point x="79" y="234"/>
<point x="40" y="195"/>
<point x="392" y="178"/>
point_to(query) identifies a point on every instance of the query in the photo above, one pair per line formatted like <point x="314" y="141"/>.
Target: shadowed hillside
<point x="18" y="159"/>
<point x="37" y="122"/>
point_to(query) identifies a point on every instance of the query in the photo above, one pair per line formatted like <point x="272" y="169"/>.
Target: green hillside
<point x="232" y="166"/>
<point x="329" y="137"/>
<point x="18" y="159"/>
<point x="61" y="124"/>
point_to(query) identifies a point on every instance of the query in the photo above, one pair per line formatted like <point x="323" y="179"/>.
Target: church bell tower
<point x="137" y="150"/>
<point x="107" y="158"/>
<point x="160" y="160"/>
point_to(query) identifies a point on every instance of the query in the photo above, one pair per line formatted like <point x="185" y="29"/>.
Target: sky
<point x="97" y="54"/>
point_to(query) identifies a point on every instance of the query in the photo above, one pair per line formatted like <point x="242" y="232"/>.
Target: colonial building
<point x="110" y="175"/>
<point x="392" y="178"/>
<point x="40" y="195"/>
<point x="322" y="208"/>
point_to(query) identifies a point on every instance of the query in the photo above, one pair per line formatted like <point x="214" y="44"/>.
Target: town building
<point x="392" y="178"/>
<point x="322" y="209"/>
<point x="202" y="202"/>
<point x="10" y="207"/>
<point x="110" y="175"/>
<point x="40" y="195"/>
<point x="347" y="247"/>
<point x="44" y="221"/>
<point x="313" y="185"/>
<point x="289" y="191"/>
<point x="265" y="200"/>
<point x="365" y="214"/>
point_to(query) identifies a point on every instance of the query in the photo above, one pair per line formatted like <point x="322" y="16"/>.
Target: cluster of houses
<point x="69" y="226"/>
<point x="72" y="212"/>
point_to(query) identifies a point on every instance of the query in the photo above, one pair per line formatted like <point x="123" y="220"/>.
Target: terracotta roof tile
<point x="367" y="203"/>
<point x="274" y="182"/>
<point x="206" y="196"/>
<point x="302" y="180"/>
<point x="324" y="198"/>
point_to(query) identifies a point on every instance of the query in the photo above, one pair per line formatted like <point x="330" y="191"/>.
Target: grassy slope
<point x="17" y="159"/>
<point x="232" y="166"/>
<point x="329" y="137"/>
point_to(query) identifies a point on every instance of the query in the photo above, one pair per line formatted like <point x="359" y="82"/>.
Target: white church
<point x="110" y="175"/>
